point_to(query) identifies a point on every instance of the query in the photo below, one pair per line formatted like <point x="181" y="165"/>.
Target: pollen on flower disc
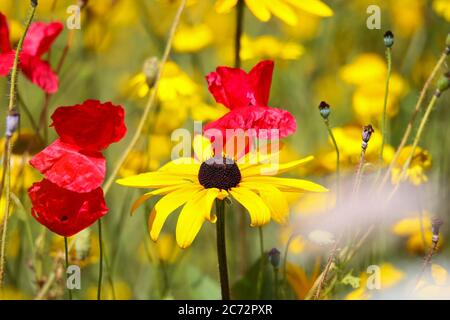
<point x="219" y="172"/>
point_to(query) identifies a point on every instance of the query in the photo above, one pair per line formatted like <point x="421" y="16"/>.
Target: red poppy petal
<point x="257" y="117"/>
<point x="65" y="212"/>
<point x="260" y="78"/>
<point x="64" y="165"/>
<point x="234" y="88"/>
<point x="39" y="72"/>
<point x="40" y="37"/>
<point x="5" y="45"/>
<point x="91" y="126"/>
<point x="6" y="63"/>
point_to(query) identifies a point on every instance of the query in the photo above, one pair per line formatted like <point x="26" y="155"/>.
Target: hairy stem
<point x="221" y="250"/>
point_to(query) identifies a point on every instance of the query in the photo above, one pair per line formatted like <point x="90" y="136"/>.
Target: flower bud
<point x="388" y="39"/>
<point x="274" y="257"/>
<point x="366" y="134"/>
<point x="82" y="3"/>
<point x="34" y="3"/>
<point x="436" y="224"/>
<point x="12" y="123"/>
<point x="443" y="84"/>
<point x="324" y="109"/>
<point x="150" y="69"/>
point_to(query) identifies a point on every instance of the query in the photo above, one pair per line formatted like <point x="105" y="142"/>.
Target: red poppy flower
<point x="247" y="96"/>
<point x="71" y="168"/>
<point x="38" y="41"/>
<point x="65" y="212"/>
<point x="90" y="126"/>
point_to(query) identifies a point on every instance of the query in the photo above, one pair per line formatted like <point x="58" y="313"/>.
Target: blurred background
<point x="320" y="53"/>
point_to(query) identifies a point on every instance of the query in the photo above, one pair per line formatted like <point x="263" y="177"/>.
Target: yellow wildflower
<point x="269" y="47"/>
<point x="442" y="8"/>
<point x="420" y="162"/>
<point x="299" y="281"/>
<point x="192" y="38"/>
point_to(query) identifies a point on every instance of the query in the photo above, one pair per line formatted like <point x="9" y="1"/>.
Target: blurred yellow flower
<point x="83" y="248"/>
<point x="192" y="38"/>
<point x="297" y="244"/>
<point x="437" y="286"/>
<point x="407" y="16"/>
<point x="389" y="277"/>
<point x="348" y="139"/>
<point x="315" y="203"/>
<point x="442" y="8"/>
<point x="166" y="249"/>
<point x="417" y="232"/>
<point x="121" y="290"/>
<point x="299" y="281"/>
<point x="282" y="9"/>
<point x="10" y="293"/>
<point x="269" y="47"/>
<point x="420" y="162"/>
<point x="365" y="68"/>
<point x="309" y="26"/>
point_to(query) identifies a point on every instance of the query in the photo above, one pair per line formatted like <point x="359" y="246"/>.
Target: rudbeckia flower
<point x="196" y="183"/>
<point x="63" y="211"/>
<point x="283" y="9"/>
<point x="247" y="96"/>
<point x="38" y="41"/>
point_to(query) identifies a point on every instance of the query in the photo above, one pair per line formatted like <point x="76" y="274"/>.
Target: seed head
<point x="366" y="134"/>
<point x="388" y="39"/>
<point x="443" y="84"/>
<point x="150" y="69"/>
<point x="34" y="3"/>
<point x="324" y="109"/>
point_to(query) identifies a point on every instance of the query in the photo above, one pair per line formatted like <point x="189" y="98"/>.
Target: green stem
<point x="8" y="143"/>
<point x="221" y="250"/>
<point x="238" y="34"/>
<point x="151" y="100"/>
<point x="100" y="268"/>
<point x="66" y="250"/>
<point x="276" y="283"/>
<point x="261" y="240"/>
<point x="386" y="93"/>
<point x="338" y="172"/>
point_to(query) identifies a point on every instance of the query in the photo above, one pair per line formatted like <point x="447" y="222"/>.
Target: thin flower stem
<point x="286" y="251"/>
<point x="422" y="124"/>
<point x="261" y="240"/>
<point x="276" y="282"/>
<point x="417" y="108"/>
<point x="151" y="100"/>
<point x="386" y="93"/>
<point x="100" y="266"/>
<point x="66" y="251"/>
<point x="238" y="34"/>
<point x="324" y="275"/>
<point x="8" y="142"/>
<point x="359" y="172"/>
<point x="338" y="173"/>
<point x="221" y="250"/>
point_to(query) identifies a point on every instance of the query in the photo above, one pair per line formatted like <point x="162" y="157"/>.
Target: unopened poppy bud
<point x="34" y="3"/>
<point x="366" y="134"/>
<point x="443" y="84"/>
<point x="436" y="224"/>
<point x="388" y="39"/>
<point x="12" y="123"/>
<point x="274" y="257"/>
<point x="324" y="109"/>
<point x="82" y="3"/>
<point x="150" y="69"/>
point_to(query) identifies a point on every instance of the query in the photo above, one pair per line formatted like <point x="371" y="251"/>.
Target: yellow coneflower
<point x="196" y="183"/>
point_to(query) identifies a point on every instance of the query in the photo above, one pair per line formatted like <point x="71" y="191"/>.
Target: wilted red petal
<point x="234" y="88"/>
<point x="6" y="62"/>
<point x="257" y="117"/>
<point x="91" y="126"/>
<point x="65" y="212"/>
<point x="39" y="72"/>
<point x="40" y="37"/>
<point x="5" y="45"/>
<point x="70" y="168"/>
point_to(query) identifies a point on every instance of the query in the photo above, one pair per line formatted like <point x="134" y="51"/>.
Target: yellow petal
<point x="271" y="169"/>
<point x="183" y="166"/>
<point x="259" y="9"/>
<point x="315" y="7"/>
<point x="153" y="180"/>
<point x="439" y="274"/>
<point x="202" y="148"/>
<point x="274" y="200"/>
<point x="257" y="209"/>
<point x="225" y="6"/>
<point x="150" y="194"/>
<point x="166" y="205"/>
<point x="282" y="11"/>
<point x="288" y="184"/>
<point x="193" y="214"/>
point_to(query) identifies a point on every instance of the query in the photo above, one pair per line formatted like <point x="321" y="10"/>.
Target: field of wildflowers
<point x="224" y="149"/>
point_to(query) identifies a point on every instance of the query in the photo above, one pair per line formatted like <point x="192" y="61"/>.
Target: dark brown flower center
<point x="219" y="172"/>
